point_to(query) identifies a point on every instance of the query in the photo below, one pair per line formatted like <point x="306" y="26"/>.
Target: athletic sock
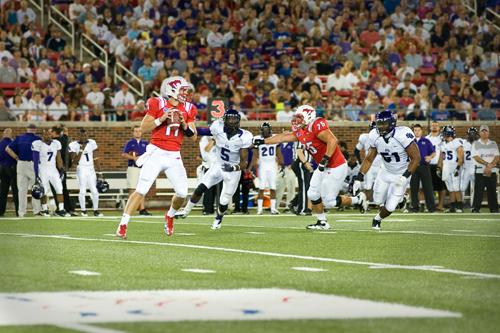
<point x="355" y="200"/>
<point x="321" y="217"/>
<point x="273" y="205"/>
<point x="377" y="217"/>
<point x="125" y="219"/>
<point x="95" y="201"/>
<point x="45" y="207"/>
<point x="60" y="206"/>
<point x="189" y="206"/>
<point x="81" y="199"/>
<point x="260" y="203"/>
<point x="171" y="212"/>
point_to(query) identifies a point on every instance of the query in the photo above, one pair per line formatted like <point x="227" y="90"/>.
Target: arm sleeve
<point x="152" y="107"/>
<point x="14" y="145"/>
<point x="36" y="161"/>
<point x="405" y="137"/>
<point x="247" y="140"/>
<point x="320" y="125"/>
<point x="94" y="145"/>
<point x="474" y="150"/>
<point x="72" y="147"/>
<point x="35" y="146"/>
<point x="127" y="147"/>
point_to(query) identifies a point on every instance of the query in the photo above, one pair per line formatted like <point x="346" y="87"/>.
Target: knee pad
<point x="181" y="193"/>
<point x="313" y="194"/>
<point x="317" y="201"/>
<point x="200" y="190"/>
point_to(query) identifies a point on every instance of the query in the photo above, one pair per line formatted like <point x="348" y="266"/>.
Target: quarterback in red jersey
<point x="169" y="122"/>
<point x="327" y="180"/>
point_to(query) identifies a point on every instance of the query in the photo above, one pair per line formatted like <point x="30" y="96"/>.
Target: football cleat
<point x="98" y="213"/>
<point x="319" y="225"/>
<point x="144" y="212"/>
<point x="181" y="214"/>
<point x="259" y="212"/>
<point x="45" y="213"/>
<point x="363" y="202"/>
<point x="84" y="213"/>
<point x="122" y="231"/>
<point x="62" y="213"/>
<point x="169" y="225"/>
<point x="216" y="224"/>
<point x="275" y="212"/>
<point x="376" y="224"/>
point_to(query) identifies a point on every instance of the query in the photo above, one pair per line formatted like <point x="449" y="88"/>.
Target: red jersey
<point x="168" y="137"/>
<point x="317" y="148"/>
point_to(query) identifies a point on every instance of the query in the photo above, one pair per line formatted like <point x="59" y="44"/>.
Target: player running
<point x="168" y="121"/>
<point x="450" y="163"/>
<point x="83" y="153"/>
<point x="400" y="158"/>
<point x="467" y="172"/>
<point x="49" y="167"/>
<point x="327" y="180"/>
<point x="267" y="160"/>
<point x="364" y="144"/>
<point x="232" y="145"/>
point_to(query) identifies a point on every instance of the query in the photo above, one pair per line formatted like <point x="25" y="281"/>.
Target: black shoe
<point x="73" y="213"/>
<point x="98" y="213"/>
<point x="144" y="212"/>
<point x="319" y="225"/>
<point x="494" y="211"/>
<point x="376" y="224"/>
<point x="245" y="212"/>
<point x="62" y="213"/>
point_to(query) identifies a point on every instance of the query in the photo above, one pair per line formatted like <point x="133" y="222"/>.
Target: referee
<point x="7" y="173"/>
<point x="20" y="150"/>
<point x="486" y="158"/>
<point x="134" y="148"/>
<point x="303" y="170"/>
<point x="423" y="172"/>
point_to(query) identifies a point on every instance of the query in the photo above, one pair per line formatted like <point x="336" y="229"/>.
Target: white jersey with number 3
<point x="87" y="158"/>
<point x="48" y="153"/>
<point x="395" y="160"/>
<point x="228" y="150"/>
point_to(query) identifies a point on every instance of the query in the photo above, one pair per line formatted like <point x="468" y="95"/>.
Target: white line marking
<point x="325" y="232"/>
<point x="309" y="269"/>
<point x="111" y="235"/>
<point x="85" y="273"/>
<point x="462" y="230"/>
<point x="197" y="270"/>
<point x="418" y="232"/>
<point x="88" y="328"/>
<point x="271" y="254"/>
<point x="184" y="234"/>
<point x="255" y="233"/>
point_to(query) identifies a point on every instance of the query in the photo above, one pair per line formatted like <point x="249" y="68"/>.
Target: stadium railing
<point x="88" y="47"/>
<point x="65" y="25"/>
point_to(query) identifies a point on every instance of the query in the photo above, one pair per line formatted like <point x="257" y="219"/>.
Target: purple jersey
<point x="135" y="147"/>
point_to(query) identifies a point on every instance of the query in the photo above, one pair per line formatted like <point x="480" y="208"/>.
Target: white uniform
<point x="467" y="171"/>
<point x="228" y="152"/>
<point x="449" y="151"/>
<point x="47" y="166"/>
<point x="364" y="144"/>
<point x="85" y="172"/>
<point x="208" y="157"/>
<point x="268" y="168"/>
<point x="436" y="141"/>
<point x="395" y="161"/>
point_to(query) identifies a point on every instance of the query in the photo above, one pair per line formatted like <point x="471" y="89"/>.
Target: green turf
<point x="463" y="242"/>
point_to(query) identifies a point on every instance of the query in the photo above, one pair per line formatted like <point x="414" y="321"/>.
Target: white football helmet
<point x="304" y="115"/>
<point x="175" y="87"/>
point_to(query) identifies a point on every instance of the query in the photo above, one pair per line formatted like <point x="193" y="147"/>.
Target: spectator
<point x="180" y="64"/>
<point x="24" y="73"/>
<point x="123" y="98"/>
<point x="36" y="102"/>
<point x="214" y="38"/>
<point x="57" y="108"/>
<point x="5" y="113"/>
<point x="19" y="107"/>
<point x="285" y="115"/>
<point x="97" y="114"/>
<point x="480" y="82"/>
<point x="56" y="43"/>
<point x="413" y="59"/>
<point x="24" y="11"/>
<point x="76" y="9"/>
<point x="97" y="71"/>
<point x="7" y="73"/>
<point x="486" y="158"/>
<point x="493" y="95"/>
<point x="5" y="52"/>
<point x="95" y="98"/>
<point x="441" y="113"/>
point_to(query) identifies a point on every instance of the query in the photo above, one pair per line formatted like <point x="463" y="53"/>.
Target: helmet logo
<point x="174" y="83"/>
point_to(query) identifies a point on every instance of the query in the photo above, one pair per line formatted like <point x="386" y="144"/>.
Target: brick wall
<point x="111" y="138"/>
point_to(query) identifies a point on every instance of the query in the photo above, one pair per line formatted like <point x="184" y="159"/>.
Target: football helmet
<point x="232" y="120"/>
<point x="385" y="122"/>
<point x="37" y="191"/>
<point x="265" y="130"/>
<point x="102" y="186"/>
<point x="175" y="87"/>
<point x="472" y="134"/>
<point x="448" y="132"/>
<point x="304" y="115"/>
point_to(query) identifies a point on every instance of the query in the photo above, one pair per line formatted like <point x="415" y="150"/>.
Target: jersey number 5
<point x="224" y="154"/>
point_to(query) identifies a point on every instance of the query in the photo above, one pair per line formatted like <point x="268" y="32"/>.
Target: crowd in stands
<point x="346" y="58"/>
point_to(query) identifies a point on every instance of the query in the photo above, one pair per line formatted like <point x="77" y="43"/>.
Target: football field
<point x="421" y="273"/>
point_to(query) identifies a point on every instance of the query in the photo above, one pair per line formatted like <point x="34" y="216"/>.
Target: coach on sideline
<point x="423" y="172"/>
<point x="7" y="173"/>
<point x="486" y="158"/>
<point x="134" y="148"/>
<point x="20" y="150"/>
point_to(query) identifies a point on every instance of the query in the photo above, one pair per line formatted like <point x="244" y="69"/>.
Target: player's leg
<point x="30" y="174"/>
<point x="332" y="183"/>
<point x="290" y="180"/>
<point x="369" y="181"/>
<point x="56" y="182"/>
<point x="272" y="175"/>
<point x="229" y="186"/>
<point x="263" y="184"/>
<point x="44" y="178"/>
<point x="212" y="177"/>
<point x="380" y="193"/>
<point x="177" y="175"/>
<point x="318" y="210"/>
<point x="22" y="189"/>
<point x="394" y="194"/>
<point x="82" y="185"/>
<point x="94" y="193"/>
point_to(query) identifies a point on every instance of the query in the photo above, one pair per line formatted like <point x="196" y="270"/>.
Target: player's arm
<point x="129" y="156"/>
<point x="303" y="160"/>
<point x="75" y="157"/>
<point x="210" y="145"/>
<point x="11" y="153"/>
<point x="189" y="128"/>
<point x="460" y="156"/>
<point x="59" y="161"/>
<point x="367" y="162"/>
<point x="278" y="138"/>
<point x="279" y="157"/>
<point x="149" y="122"/>
<point x="36" y="162"/>
<point x="97" y="160"/>
<point x="331" y="143"/>
<point x="243" y="159"/>
<point x="440" y="160"/>
<point x="255" y="158"/>
<point x="357" y="153"/>
<point x="414" y="154"/>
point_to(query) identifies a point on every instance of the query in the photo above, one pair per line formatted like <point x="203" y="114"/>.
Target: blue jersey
<point x="5" y="159"/>
<point x="135" y="147"/>
<point x="22" y="146"/>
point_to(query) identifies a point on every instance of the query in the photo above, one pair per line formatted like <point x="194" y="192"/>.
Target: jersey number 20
<point x="268" y="152"/>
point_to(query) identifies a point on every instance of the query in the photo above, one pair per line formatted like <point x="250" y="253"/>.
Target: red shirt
<point x="168" y="138"/>
<point x="317" y="148"/>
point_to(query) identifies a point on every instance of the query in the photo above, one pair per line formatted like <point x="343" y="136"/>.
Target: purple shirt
<point x="426" y="148"/>
<point x="138" y="147"/>
<point x="287" y="152"/>
<point x="5" y="159"/>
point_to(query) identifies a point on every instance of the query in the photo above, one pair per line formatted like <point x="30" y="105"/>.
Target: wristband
<point x="360" y="177"/>
<point x="189" y="132"/>
<point x="407" y="173"/>
<point x="157" y="122"/>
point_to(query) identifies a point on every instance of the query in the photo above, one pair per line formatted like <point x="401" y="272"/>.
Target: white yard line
<point x="88" y="328"/>
<point x="271" y="254"/>
<point x="418" y="232"/>
<point x="309" y="269"/>
<point x="85" y="273"/>
<point x="198" y="270"/>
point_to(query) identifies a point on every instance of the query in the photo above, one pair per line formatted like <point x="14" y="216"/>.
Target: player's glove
<point x="230" y="168"/>
<point x="323" y="163"/>
<point x="403" y="179"/>
<point x="62" y="174"/>
<point x="282" y="171"/>
<point x="258" y="141"/>
<point x="356" y="183"/>
<point x="439" y="173"/>
<point x="456" y="172"/>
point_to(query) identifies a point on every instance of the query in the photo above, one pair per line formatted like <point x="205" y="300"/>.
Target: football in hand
<point x="173" y="118"/>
